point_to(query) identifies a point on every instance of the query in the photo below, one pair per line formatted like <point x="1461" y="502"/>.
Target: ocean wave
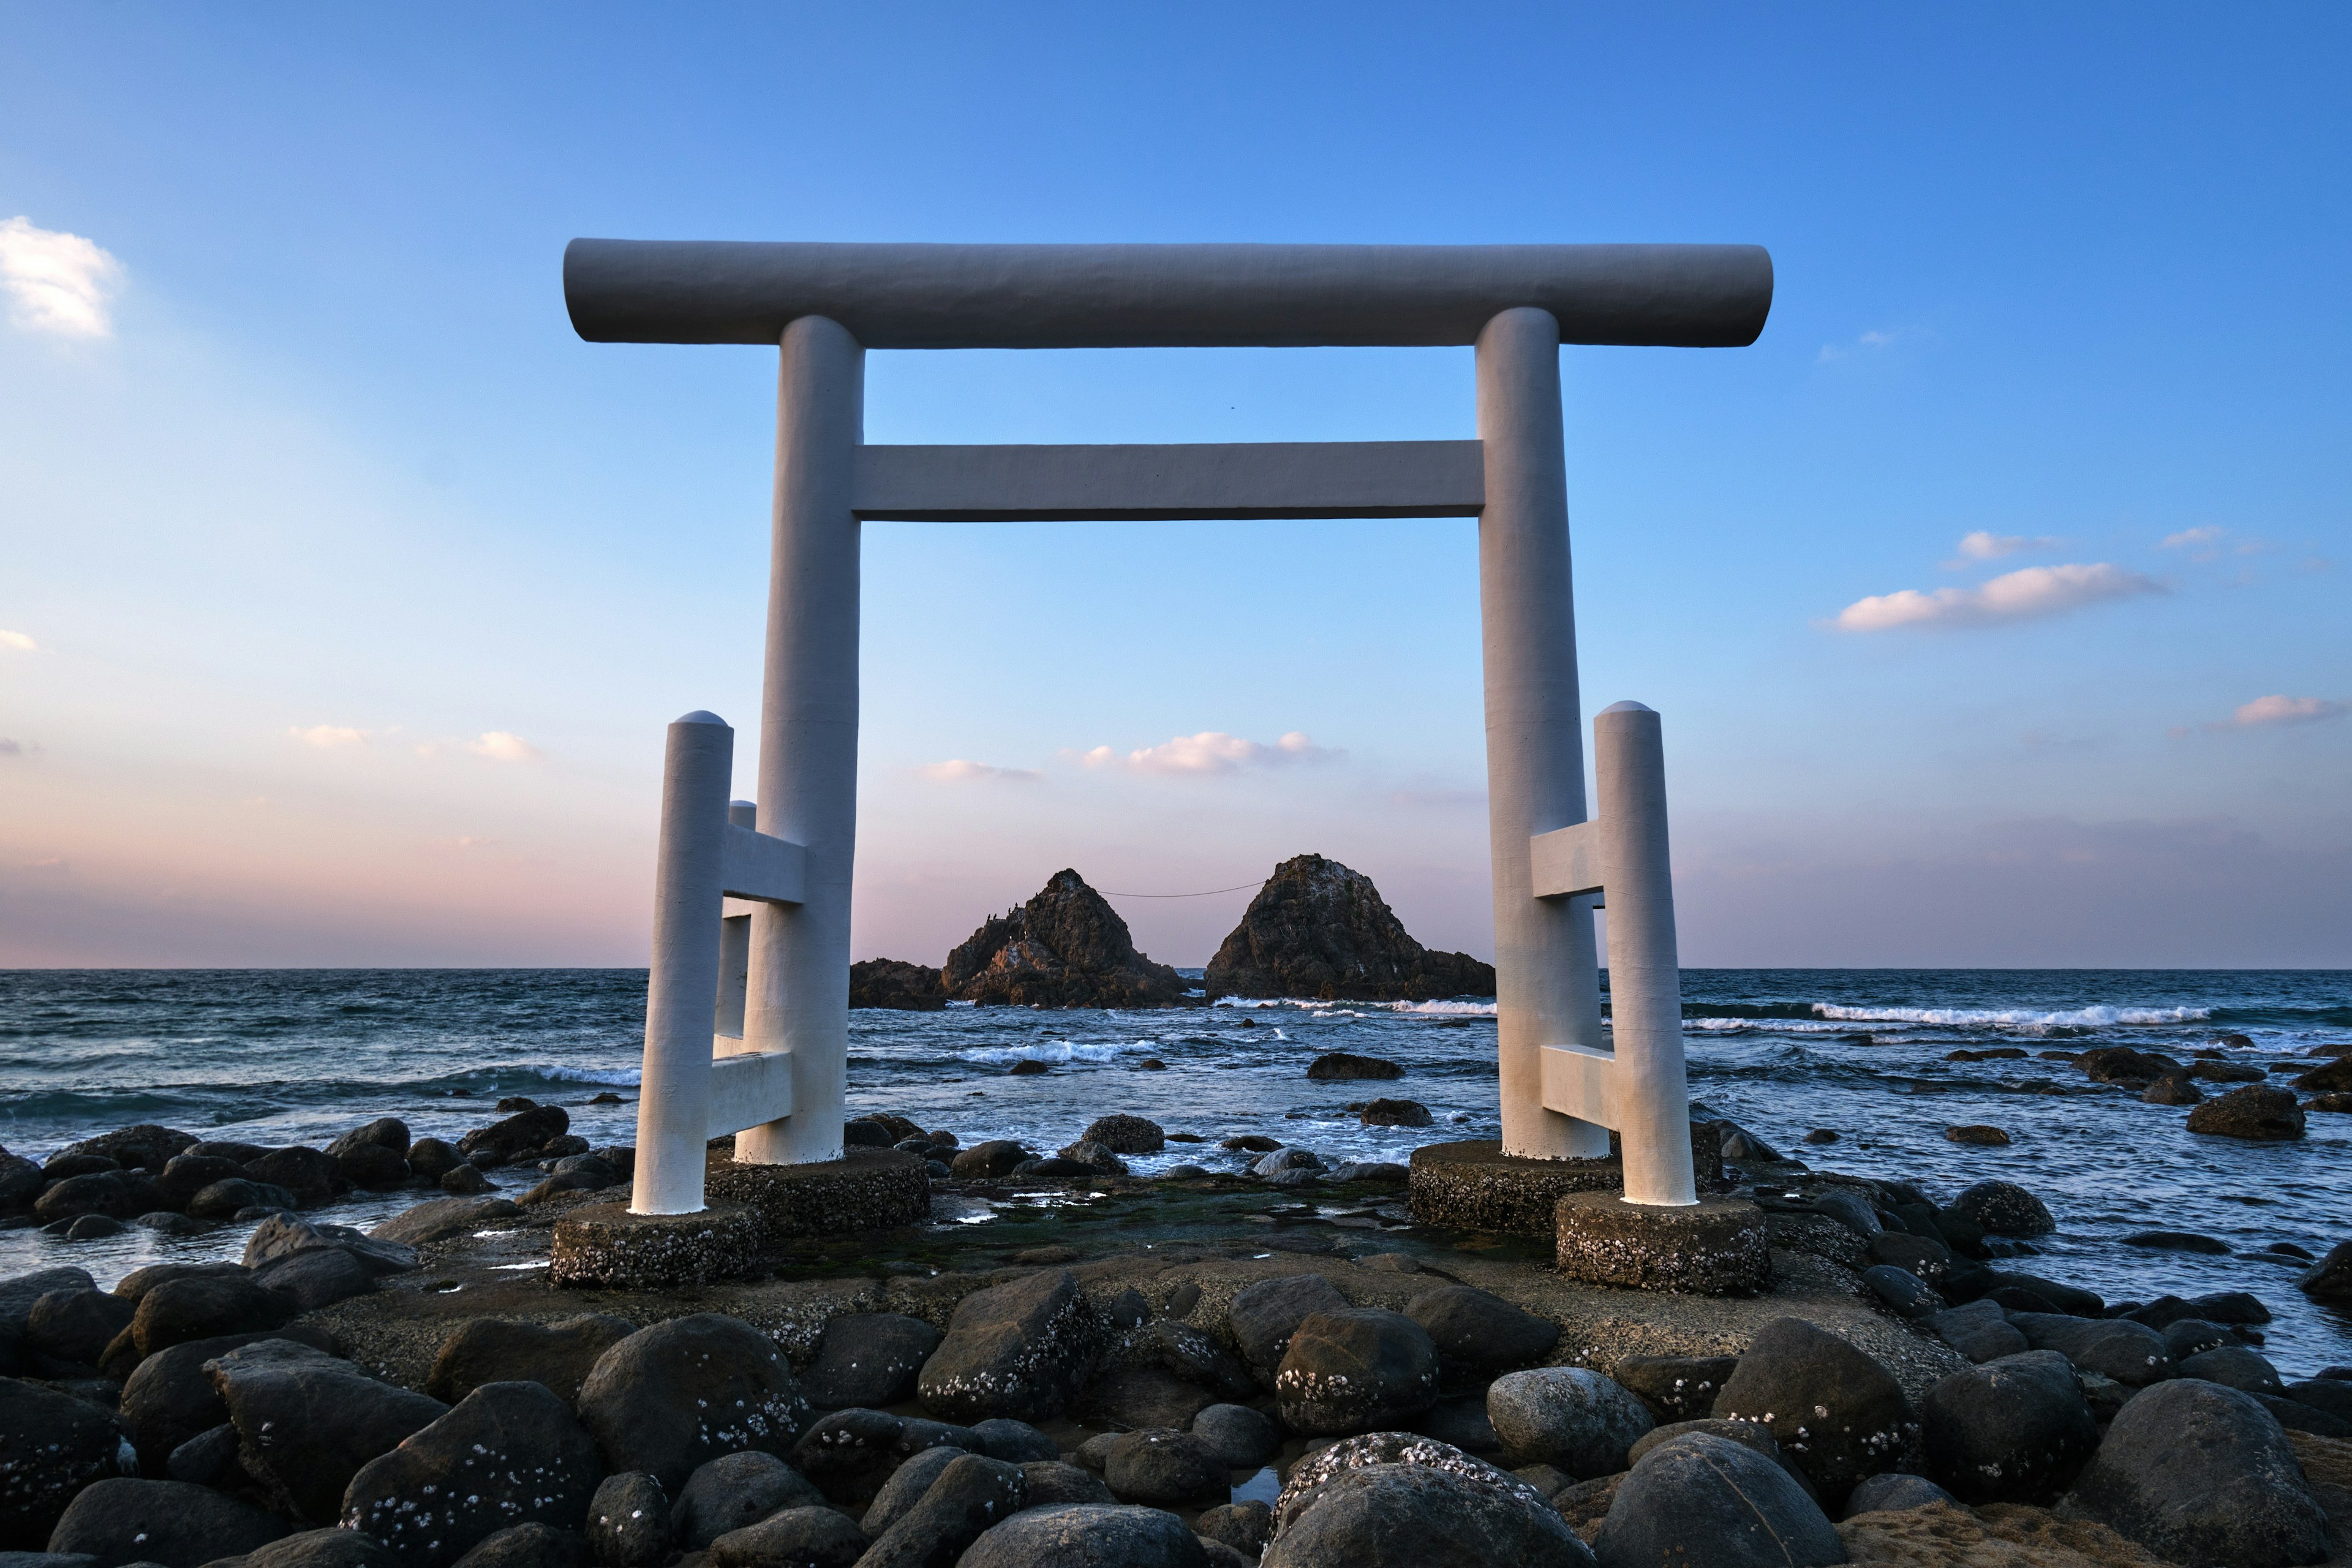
<point x="1046" y="1051"/>
<point x="1471" y="1009"/>
<point x="2014" y="1018"/>
<point x="1735" y="1026"/>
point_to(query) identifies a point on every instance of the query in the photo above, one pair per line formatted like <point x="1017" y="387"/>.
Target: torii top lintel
<point x="1162" y="296"/>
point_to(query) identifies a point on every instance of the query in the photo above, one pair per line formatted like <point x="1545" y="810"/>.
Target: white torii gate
<point x="780" y="1083"/>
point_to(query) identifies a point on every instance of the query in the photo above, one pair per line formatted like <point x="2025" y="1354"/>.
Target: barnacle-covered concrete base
<point x="606" y="1244"/>
<point x="1475" y="1185"/>
<point x="866" y="1189"/>
<point x="1713" y="1248"/>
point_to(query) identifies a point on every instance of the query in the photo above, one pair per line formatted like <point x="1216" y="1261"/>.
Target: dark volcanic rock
<point x="556" y="1355"/>
<point x="971" y="1494"/>
<point x="734" y="1490"/>
<point x="76" y="1325"/>
<point x="1478" y="1333"/>
<point x="1020" y="1349"/>
<point x="169" y="1523"/>
<point x="2254" y="1112"/>
<point x="1264" y="1315"/>
<point x="146" y="1146"/>
<point x="1569" y="1417"/>
<point x="1317" y="929"/>
<point x="1358" y="1369"/>
<point x="205" y="1306"/>
<point x="868" y="1359"/>
<point x="171" y="1399"/>
<point x="524" y="1132"/>
<point x="315" y="1279"/>
<point x="2009" y="1431"/>
<point x="1388" y="1500"/>
<point x="1791" y="1375"/>
<point x="1243" y="1526"/>
<point x="1396" y="1113"/>
<point x="2198" y="1473"/>
<point x="1341" y="1067"/>
<point x="1087" y="1536"/>
<point x="1188" y="1353"/>
<point x="1980" y="1330"/>
<point x="1164" y="1467"/>
<point x="439" y="1219"/>
<point x="894" y="983"/>
<point x="1894" y="1492"/>
<point x="306" y="1422"/>
<point x="2004" y="1208"/>
<point x="1126" y="1134"/>
<point x="283" y="1236"/>
<point x="2132" y="1353"/>
<point x="1679" y="1388"/>
<point x="507" y="1454"/>
<point x="669" y="1397"/>
<point x="107" y="1192"/>
<point x="2330" y="1279"/>
<point x="985" y="1161"/>
<point x="1067" y="947"/>
<point x="1137" y="1398"/>
<point x="802" y="1537"/>
<point x="307" y="1172"/>
<point x="51" y="1447"/>
<point x="1246" y="1438"/>
<point x="2233" y="1366"/>
<point x="1703" y="1498"/>
<point x="531" y="1545"/>
<point x="848" y="1453"/>
<point x="628" y="1522"/>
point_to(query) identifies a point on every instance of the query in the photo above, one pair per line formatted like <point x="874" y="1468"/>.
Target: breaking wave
<point x="2014" y="1018"/>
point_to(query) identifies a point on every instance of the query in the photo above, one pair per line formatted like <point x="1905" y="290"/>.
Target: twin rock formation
<point x="1316" y="929"/>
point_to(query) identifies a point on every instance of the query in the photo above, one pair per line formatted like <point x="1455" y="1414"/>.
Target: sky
<point x="1995" y="600"/>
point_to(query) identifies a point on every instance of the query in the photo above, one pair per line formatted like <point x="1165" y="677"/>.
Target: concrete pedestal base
<point x="1476" y="1186"/>
<point x="1713" y="1247"/>
<point x="868" y="1189"/>
<point x="606" y="1244"/>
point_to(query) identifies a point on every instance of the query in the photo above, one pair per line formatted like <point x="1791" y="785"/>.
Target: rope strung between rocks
<point x="1236" y="888"/>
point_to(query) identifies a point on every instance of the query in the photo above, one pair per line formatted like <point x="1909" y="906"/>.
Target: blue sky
<point x="344" y="593"/>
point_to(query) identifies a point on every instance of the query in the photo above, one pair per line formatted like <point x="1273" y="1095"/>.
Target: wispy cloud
<point x="2282" y="710"/>
<point x="1984" y="545"/>
<point x="1212" y="752"/>
<point x="499" y="746"/>
<point x="1877" y="340"/>
<point x="2026" y="595"/>
<point x="56" y="283"/>
<point x="17" y="642"/>
<point x="327" y="737"/>
<point x="11" y="748"/>
<point x="2188" y="537"/>
<point x="959" y="770"/>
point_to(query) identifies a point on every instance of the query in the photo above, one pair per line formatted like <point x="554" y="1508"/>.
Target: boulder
<point x="1086" y="1535"/>
<point x="2131" y="1353"/>
<point x="235" y="1195"/>
<point x="1245" y="1527"/>
<point x="1895" y="1492"/>
<point x="1125" y="1134"/>
<point x="1243" y="1438"/>
<point x="107" y="1192"/>
<point x="146" y="1146"/>
<point x="202" y="1307"/>
<point x="1015" y="1442"/>
<point x="1462" y="1423"/>
<point x="1904" y="1293"/>
<point x="506" y="1454"/>
<point x="434" y="1158"/>
<point x="1395" y="1114"/>
<point x="1343" y="1066"/>
<point x="1164" y="1467"/>
<point x="557" y="1355"/>
<point x="1020" y="1349"/>
<point x="1283" y="1159"/>
<point x="2012" y="1430"/>
<point x="1385" y="1501"/>
<point x="308" y="1173"/>
<point x="528" y="1546"/>
<point x="2233" y="1366"/>
<point x="2253" y="1113"/>
<point x="306" y="1422"/>
<point x="1980" y="1330"/>
<point x="283" y="1236"/>
<point x="315" y="1548"/>
<point x="464" y="1181"/>
<point x="2184" y="1337"/>
<point x="524" y="1132"/>
<point x="869" y="1359"/>
<point x="167" y="1522"/>
<point x="1090" y="1158"/>
<point x="849" y="1453"/>
<point x="2122" y="1064"/>
<point x="2172" y="1088"/>
<point x="1704" y="1499"/>
<point x="802" y="1537"/>
<point x="51" y="1447"/>
<point x="1264" y="1316"/>
<point x="18" y="1293"/>
<point x="1137" y="1398"/>
<point x="906" y="1486"/>
<point x="2201" y="1474"/>
<point x="188" y="1174"/>
<point x="442" y="1219"/>
<point x="2329" y="1281"/>
<point x="725" y="1494"/>
<point x="970" y="1494"/>
<point x="988" y="1161"/>
<point x="1188" y="1353"/>
<point x="1675" y="1388"/>
<point x="171" y="1399"/>
<point x="1837" y="1413"/>
<point x="208" y="1460"/>
<point x="1317" y="929"/>
<point x="76" y="1325"/>
<point x="1747" y="1434"/>
<point x="314" y="1279"/>
<point x="372" y="1165"/>
<point x="1569" y="1417"/>
<point x="2329" y="1078"/>
<point x="628" y="1522"/>
<point x="1067" y="947"/>
<point x="2004" y="1208"/>
<point x="1476" y="1332"/>
<point x="1355" y="1369"/>
<point x="672" y="1396"/>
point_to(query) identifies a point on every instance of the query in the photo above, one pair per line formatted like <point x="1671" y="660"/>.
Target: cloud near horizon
<point x="1212" y="752"/>
<point x="56" y="283"/>
<point x="17" y="642"/>
<point x="962" y="770"/>
<point x="2282" y="709"/>
<point x="2026" y="595"/>
<point x="327" y="737"/>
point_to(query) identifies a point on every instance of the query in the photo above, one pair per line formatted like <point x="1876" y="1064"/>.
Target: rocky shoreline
<point x="1071" y="1364"/>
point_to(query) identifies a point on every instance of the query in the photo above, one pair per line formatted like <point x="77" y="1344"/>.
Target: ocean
<point x="300" y="1056"/>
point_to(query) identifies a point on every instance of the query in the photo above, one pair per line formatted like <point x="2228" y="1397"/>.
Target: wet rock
<point x="1015" y="1442"/>
<point x="308" y="1173"/>
<point x="1094" y="1159"/>
<point x="1851" y="1210"/>
<point x="202" y="1307"/>
<point x="51" y="1447"/>
<point x="1135" y="1398"/>
<point x="76" y="1325"/>
<point x="1339" y="1066"/>
<point x="2333" y="1077"/>
<point x="171" y="1399"/>
<point x="2068" y="1299"/>
<point x="1164" y="1467"/>
<point x="2176" y="1241"/>
<point x="314" y="1549"/>
<point x="434" y="1158"/>
<point x="1049" y="1483"/>
<point x="849" y="1453"/>
<point x="208" y="1460"/>
<point x="869" y="1359"/>
<point x="1569" y="1417"/>
<point x="2184" y="1337"/>
<point x="906" y="1486"/>
<point x="629" y="1522"/>
<point x="2122" y="1064"/>
<point x="1242" y="1438"/>
<point x="1188" y="1353"/>
<point x="2297" y="1416"/>
<point x="372" y="1165"/>
<point x="1382" y="1173"/>
<point x="1980" y="1330"/>
<point x="1087" y="1536"/>
<point x="1702" y="1498"/>
<point x="2233" y="1366"/>
<point x="896" y="983"/>
<point x="525" y="1133"/>
<point x="1245" y="1527"/>
<point x="464" y="1181"/>
<point x="1283" y="1159"/>
<point x="1837" y="1413"/>
<point x="1067" y="947"/>
<point x="1396" y="1113"/>
<point x="1355" y="1369"/>
<point x="2172" y="1088"/>
<point x="314" y="1279"/>
<point x="107" y="1192"/>
<point x="1475" y="1332"/>
<point x="445" y="1219"/>
<point x="2013" y="1430"/>
<point x="1894" y="1492"/>
<point x="168" y="1523"/>
<point x="285" y="1235"/>
<point x="528" y="1546"/>
<point x="18" y="1293"/>
<point x="306" y="1422"/>
<point x="1386" y="1502"/>
<point x="1317" y="929"/>
<point x="1125" y="1134"/>
<point x="146" y="1146"/>
<point x="2329" y="1281"/>
<point x="995" y="1158"/>
<point x="971" y="1494"/>
<point x="2004" y="1208"/>
<point x="1977" y="1134"/>
<point x="229" y="1199"/>
<point x="2198" y="1473"/>
<point x="1264" y="1316"/>
<point x="669" y="1397"/>
<point x="1258" y="1143"/>
<point x="507" y="1453"/>
<point x="1905" y="1293"/>
<point x="2263" y="1115"/>
<point x="2132" y="1353"/>
<point x="728" y="1493"/>
<point x="2328" y="1394"/>
<point x="1677" y="1388"/>
<point x="793" y="1538"/>
<point x="1020" y="1349"/>
<point x="1929" y="1260"/>
<point x="188" y="1174"/>
<point x="557" y="1356"/>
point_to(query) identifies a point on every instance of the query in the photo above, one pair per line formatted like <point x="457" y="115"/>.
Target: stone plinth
<point x="1475" y="1187"/>
<point x="868" y="1189"/>
<point x="1713" y="1247"/>
<point x="606" y="1244"/>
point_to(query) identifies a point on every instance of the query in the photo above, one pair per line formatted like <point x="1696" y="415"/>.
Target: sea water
<point x="278" y="1057"/>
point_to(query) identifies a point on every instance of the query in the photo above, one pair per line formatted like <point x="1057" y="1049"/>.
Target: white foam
<point x="1471" y="1009"/>
<point x="1048" y="1051"/>
<point x="1775" y="1026"/>
<point x="2015" y="1018"/>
